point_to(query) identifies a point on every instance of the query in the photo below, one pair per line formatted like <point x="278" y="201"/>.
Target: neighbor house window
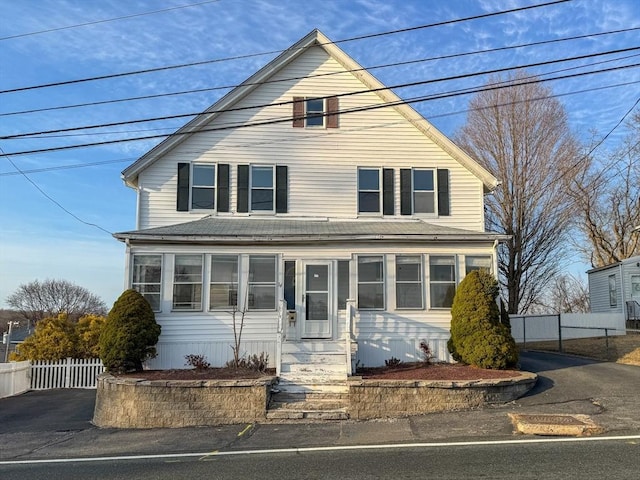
<point x="409" y="282"/>
<point x="370" y="282"/>
<point x="442" y="281"/>
<point x="343" y="284"/>
<point x="262" y="188"/>
<point x="187" y="282"/>
<point x="423" y="191"/>
<point x="223" y="289"/>
<point x="477" y="263"/>
<point x="314" y="112"/>
<point x="203" y="187"/>
<point x="147" y="278"/>
<point x="262" y="282"/>
<point x="613" y="291"/>
<point x="369" y="190"/>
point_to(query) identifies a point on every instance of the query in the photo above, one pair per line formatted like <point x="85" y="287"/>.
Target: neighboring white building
<point x="616" y="288"/>
<point x="308" y="185"/>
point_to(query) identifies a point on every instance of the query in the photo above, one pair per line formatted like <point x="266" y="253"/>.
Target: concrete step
<point x="308" y="386"/>
<point x="287" y="406"/>
<point x="319" y="369"/>
<point x="335" y="358"/>
<point x="318" y="346"/>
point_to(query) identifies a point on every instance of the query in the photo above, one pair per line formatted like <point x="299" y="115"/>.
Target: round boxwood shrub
<point x="477" y="335"/>
<point x="130" y="334"/>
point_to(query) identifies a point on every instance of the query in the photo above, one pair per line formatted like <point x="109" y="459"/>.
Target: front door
<point x="317" y="300"/>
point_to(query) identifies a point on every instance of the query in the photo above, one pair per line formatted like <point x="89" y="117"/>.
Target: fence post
<point x="559" y="333"/>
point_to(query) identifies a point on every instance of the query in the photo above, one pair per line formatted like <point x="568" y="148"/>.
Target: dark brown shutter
<point x="223" y="188"/>
<point x="281" y="189"/>
<point x="298" y="112"/>
<point x="333" y="107"/>
<point x="443" y="192"/>
<point x="243" y="188"/>
<point x="405" y="191"/>
<point x="182" y="198"/>
<point x="387" y="192"/>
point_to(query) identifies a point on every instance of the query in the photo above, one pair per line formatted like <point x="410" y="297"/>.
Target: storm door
<point x="317" y="300"/>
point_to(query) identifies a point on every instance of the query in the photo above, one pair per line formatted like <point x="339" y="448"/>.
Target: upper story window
<point x="203" y="187"/>
<point x="315" y="112"/>
<point x="369" y="190"/>
<point x="223" y="288"/>
<point x="187" y="282"/>
<point x="262" y="188"/>
<point x="424" y="191"/>
<point x="371" y="282"/>
<point x="147" y="278"/>
<point x="442" y="281"/>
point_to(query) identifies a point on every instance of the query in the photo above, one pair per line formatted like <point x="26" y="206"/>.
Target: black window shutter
<point x="387" y="192"/>
<point x="223" y="187"/>
<point x="243" y="188"/>
<point x="281" y="189"/>
<point x="298" y="111"/>
<point x="443" y="191"/>
<point x="405" y="191"/>
<point x="182" y="197"/>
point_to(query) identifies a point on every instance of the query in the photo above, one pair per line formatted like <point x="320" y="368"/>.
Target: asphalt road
<point x="55" y="425"/>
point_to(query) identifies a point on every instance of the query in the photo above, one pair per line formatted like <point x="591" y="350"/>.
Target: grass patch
<point x="622" y="349"/>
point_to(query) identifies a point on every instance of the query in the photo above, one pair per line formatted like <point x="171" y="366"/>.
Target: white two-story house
<point x="315" y="200"/>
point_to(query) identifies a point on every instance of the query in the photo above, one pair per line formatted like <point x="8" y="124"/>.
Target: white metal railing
<point x="280" y="335"/>
<point x="14" y="378"/>
<point x="67" y="373"/>
<point x="348" y="333"/>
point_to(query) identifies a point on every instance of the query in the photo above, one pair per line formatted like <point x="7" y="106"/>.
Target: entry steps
<point x="312" y="382"/>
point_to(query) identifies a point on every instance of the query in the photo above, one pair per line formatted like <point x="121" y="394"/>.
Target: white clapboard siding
<point x="322" y="162"/>
<point x="66" y="373"/>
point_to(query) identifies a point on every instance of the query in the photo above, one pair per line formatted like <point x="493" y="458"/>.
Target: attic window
<point x="315" y="112"/>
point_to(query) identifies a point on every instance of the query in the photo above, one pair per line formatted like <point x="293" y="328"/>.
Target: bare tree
<point x="566" y="294"/>
<point x="50" y="298"/>
<point x="521" y="135"/>
<point x="607" y="194"/>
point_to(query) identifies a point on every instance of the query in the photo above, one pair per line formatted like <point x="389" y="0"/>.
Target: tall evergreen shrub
<point x="130" y="334"/>
<point x="478" y="337"/>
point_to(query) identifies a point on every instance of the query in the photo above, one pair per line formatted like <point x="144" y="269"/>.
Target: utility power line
<point x="374" y="67"/>
<point x="253" y="55"/>
<point x="289" y="102"/>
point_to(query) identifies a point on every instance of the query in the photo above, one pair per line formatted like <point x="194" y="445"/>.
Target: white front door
<point x="317" y="300"/>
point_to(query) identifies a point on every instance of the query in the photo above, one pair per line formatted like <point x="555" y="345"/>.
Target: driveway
<point x="56" y="423"/>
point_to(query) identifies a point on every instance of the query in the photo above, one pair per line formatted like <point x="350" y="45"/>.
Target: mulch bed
<point x="437" y="371"/>
<point x="202" y="374"/>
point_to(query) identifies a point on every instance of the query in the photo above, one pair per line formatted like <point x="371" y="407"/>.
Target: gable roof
<point x="314" y="38"/>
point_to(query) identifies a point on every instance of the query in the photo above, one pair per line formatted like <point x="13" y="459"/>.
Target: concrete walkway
<point x="56" y="424"/>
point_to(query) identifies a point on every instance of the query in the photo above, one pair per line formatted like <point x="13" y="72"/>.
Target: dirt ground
<point x="622" y="348"/>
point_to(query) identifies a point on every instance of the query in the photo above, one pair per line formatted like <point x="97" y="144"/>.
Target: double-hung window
<point x="147" y="278"/>
<point x="369" y="190"/>
<point x="262" y="282"/>
<point x="314" y="112"/>
<point x="442" y="281"/>
<point x="480" y="262"/>
<point x="223" y="288"/>
<point x="371" y="282"/>
<point x="409" y="282"/>
<point x="423" y="191"/>
<point x="203" y="186"/>
<point x="187" y="282"/>
<point x="262" y="188"/>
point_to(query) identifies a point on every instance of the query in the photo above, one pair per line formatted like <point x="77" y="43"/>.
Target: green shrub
<point x="129" y="335"/>
<point x="53" y="339"/>
<point x="478" y="337"/>
<point x="88" y="331"/>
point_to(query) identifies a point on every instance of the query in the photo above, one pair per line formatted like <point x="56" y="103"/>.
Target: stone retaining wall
<point x="398" y="398"/>
<point x="139" y="403"/>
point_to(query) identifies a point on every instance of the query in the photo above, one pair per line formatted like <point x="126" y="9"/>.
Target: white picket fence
<point x="67" y="373"/>
<point x="14" y="378"/>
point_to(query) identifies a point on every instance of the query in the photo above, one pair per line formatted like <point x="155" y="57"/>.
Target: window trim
<point x="440" y="282"/>
<point x="420" y="281"/>
<point x="273" y="188"/>
<point x="201" y="283"/>
<point x="132" y="274"/>
<point x="211" y="282"/>
<point x="379" y="191"/>
<point x="382" y="282"/>
<point x="213" y="187"/>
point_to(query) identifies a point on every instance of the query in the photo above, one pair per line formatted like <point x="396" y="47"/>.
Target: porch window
<point x="223" y="289"/>
<point x="203" y="186"/>
<point x="371" y="282"/>
<point x="343" y="284"/>
<point x="262" y="282"/>
<point x="477" y="263"/>
<point x="442" y="282"/>
<point x="147" y="278"/>
<point x="613" y="291"/>
<point x="262" y="191"/>
<point x="187" y="282"/>
<point x="369" y="190"/>
<point x="409" y="282"/>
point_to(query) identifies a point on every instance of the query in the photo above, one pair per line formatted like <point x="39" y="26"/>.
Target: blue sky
<point x="38" y="240"/>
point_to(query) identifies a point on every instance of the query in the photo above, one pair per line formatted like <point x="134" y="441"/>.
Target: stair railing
<point x="280" y="334"/>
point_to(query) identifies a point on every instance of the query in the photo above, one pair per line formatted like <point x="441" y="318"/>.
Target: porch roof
<point x="275" y="230"/>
